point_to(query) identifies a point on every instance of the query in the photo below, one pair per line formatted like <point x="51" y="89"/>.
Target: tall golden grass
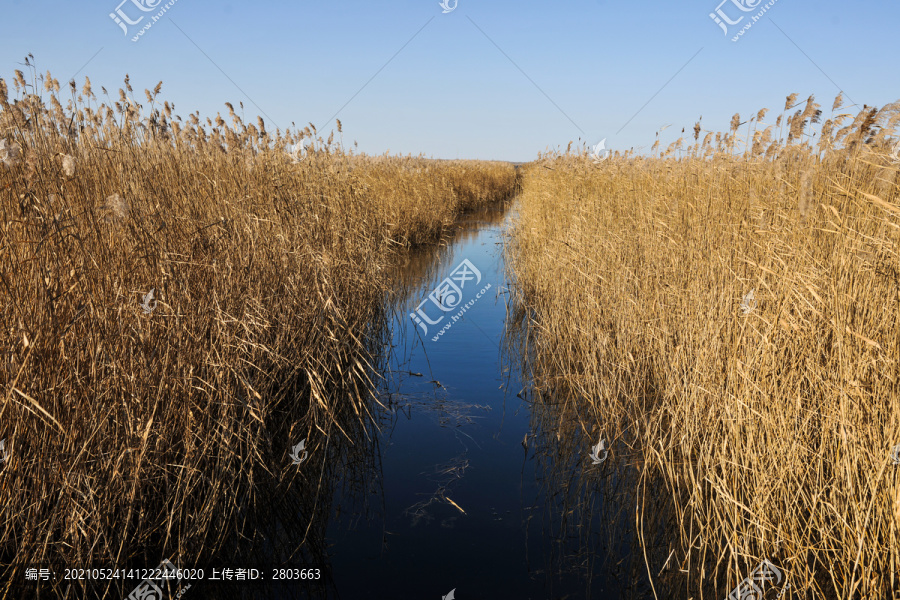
<point x="769" y="426"/>
<point x="136" y="435"/>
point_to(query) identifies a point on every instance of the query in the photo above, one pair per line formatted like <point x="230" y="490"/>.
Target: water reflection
<point x="610" y="525"/>
<point x="273" y="518"/>
<point x="482" y="489"/>
<point x="465" y="475"/>
<point x="471" y="476"/>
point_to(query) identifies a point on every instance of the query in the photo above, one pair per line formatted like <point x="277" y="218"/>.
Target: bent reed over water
<point x="138" y="433"/>
<point x="770" y="426"/>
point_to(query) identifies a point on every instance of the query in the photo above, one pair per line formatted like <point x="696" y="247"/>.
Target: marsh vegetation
<point x="183" y="301"/>
<point x="725" y="313"/>
<point x="139" y="428"/>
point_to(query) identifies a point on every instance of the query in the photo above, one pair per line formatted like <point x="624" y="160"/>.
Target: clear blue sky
<point x="501" y="80"/>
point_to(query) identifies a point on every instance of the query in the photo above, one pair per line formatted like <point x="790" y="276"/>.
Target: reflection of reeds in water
<point x="415" y="274"/>
<point x="585" y="519"/>
<point x="443" y="475"/>
<point x="415" y="271"/>
<point x="136" y="436"/>
<point x="769" y="431"/>
<point x="283" y="523"/>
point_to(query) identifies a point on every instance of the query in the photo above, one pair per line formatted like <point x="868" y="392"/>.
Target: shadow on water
<point x="464" y="478"/>
<point x="478" y="488"/>
<point x="278" y="531"/>
<point x="605" y="519"/>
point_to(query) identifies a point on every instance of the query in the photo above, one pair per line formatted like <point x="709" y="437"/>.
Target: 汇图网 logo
<point x="599" y="151"/>
<point x="723" y="19"/>
<point x="447" y="296"/>
<point x="754" y="586"/>
<point x="164" y="576"/>
<point x="123" y="20"/>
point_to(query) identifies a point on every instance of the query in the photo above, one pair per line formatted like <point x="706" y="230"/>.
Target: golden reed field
<point x="183" y="300"/>
<point x="142" y="425"/>
<point x="726" y="313"/>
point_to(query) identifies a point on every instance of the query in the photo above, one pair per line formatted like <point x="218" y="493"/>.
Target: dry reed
<point x="769" y="427"/>
<point x="138" y="430"/>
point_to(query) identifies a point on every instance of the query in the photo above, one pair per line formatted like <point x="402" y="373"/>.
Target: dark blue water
<point x="473" y="482"/>
<point x="456" y="503"/>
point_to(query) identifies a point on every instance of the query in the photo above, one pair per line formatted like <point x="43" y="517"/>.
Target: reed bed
<point x="139" y="427"/>
<point x="727" y="313"/>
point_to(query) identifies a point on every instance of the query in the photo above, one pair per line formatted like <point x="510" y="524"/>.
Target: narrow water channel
<point x="458" y="502"/>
